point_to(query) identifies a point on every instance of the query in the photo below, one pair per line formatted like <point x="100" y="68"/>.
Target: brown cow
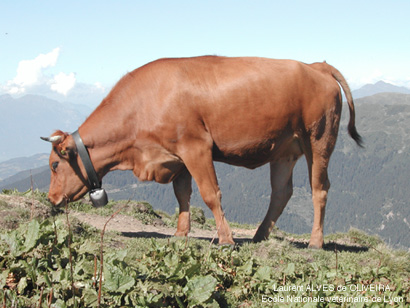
<point x="170" y="119"/>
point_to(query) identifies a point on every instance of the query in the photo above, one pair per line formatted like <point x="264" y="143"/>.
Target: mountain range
<point x="21" y="167"/>
<point x="369" y="187"/>
<point x="379" y="87"/>
<point x="23" y="120"/>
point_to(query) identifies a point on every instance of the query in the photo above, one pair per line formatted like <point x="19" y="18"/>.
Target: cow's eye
<point x="54" y="165"/>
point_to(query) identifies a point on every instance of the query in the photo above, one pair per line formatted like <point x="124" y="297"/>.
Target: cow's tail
<point x="351" y="128"/>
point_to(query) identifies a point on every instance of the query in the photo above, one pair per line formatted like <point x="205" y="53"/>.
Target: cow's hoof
<point x="226" y="242"/>
<point x="181" y="234"/>
<point x="259" y="238"/>
<point x="315" y="246"/>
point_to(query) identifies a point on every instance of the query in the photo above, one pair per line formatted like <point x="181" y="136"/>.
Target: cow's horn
<point x="51" y="139"/>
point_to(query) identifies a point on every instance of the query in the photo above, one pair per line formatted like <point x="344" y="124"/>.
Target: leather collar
<point x="88" y="165"/>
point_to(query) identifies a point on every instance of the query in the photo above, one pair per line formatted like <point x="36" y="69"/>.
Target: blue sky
<point x="55" y="46"/>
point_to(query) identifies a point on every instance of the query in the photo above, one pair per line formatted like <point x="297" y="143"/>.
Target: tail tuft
<point x="355" y="135"/>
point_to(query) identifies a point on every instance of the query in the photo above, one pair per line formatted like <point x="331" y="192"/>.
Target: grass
<point x="353" y="269"/>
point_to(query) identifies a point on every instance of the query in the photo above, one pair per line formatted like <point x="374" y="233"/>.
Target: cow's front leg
<point x="198" y="160"/>
<point x="183" y="190"/>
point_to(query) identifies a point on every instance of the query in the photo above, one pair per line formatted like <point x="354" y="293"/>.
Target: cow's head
<point x="68" y="182"/>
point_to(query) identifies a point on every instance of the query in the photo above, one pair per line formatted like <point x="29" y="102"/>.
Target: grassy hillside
<point x="50" y="259"/>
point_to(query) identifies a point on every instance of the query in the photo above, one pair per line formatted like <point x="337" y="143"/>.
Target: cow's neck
<point x="107" y="141"/>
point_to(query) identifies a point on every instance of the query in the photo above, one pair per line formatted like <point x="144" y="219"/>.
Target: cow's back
<point x="248" y="106"/>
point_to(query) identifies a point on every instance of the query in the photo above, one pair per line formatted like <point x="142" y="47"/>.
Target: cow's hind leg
<point x="282" y="189"/>
<point x="320" y="184"/>
<point x="198" y="160"/>
<point x="318" y="152"/>
<point x="323" y="135"/>
<point x="183" y="190"/>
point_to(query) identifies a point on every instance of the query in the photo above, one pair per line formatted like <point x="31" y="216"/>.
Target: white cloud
<point x="63" y="83"/>
<point x="32" y="78"/>
<point x="369" y="78"/>
<point x="29" y="72"/>
<point x="99" y="86"/>
<point x="404" y="82"/>
<point x="30" y="75"/>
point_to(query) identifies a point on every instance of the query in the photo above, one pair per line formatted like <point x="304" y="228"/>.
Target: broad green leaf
<point x="22" y="285"/>
<point x="90" y="298"/>
<point x="89" y="246"/>
<point x="3" y="277"/>
<point x="290" y="270"/>
<point x="62" y="235"/>
<point x="263" y="273"/>
<point x="246" y="268"/>
<point x="32" y="235"/>
<point x="200" y="289"/>
<point x="178" y="272"/>
<point x="171" y="260"/>
<point x="60" y="304"/>
<point x="116" y="281"/>
<point x="121" y="254"/>
<point x="14" y="241"/>
<point x="193" y="270"/>
<point x="47" y="280"/>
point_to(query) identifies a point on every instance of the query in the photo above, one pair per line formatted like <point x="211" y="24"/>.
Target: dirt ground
<point x="133" y="227"/>
<point x="14" y="209"/>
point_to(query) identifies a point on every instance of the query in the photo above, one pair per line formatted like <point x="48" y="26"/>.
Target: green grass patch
<point x="38" y="267"/>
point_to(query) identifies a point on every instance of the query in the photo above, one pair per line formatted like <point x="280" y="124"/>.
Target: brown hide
<point x="170" y="119"/>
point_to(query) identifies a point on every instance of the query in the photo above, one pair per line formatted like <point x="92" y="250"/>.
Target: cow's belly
<point x="255" y="155"/>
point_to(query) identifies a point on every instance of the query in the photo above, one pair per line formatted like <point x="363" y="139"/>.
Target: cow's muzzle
<point x="61" y="204"/>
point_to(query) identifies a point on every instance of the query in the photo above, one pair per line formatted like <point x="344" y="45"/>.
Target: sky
<point x="76" y="51"/>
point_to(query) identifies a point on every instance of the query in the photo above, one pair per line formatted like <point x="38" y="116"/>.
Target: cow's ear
<point x="66" y="151"/>
<point x="63" y="151"/>
<point x="62" y="145"/>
